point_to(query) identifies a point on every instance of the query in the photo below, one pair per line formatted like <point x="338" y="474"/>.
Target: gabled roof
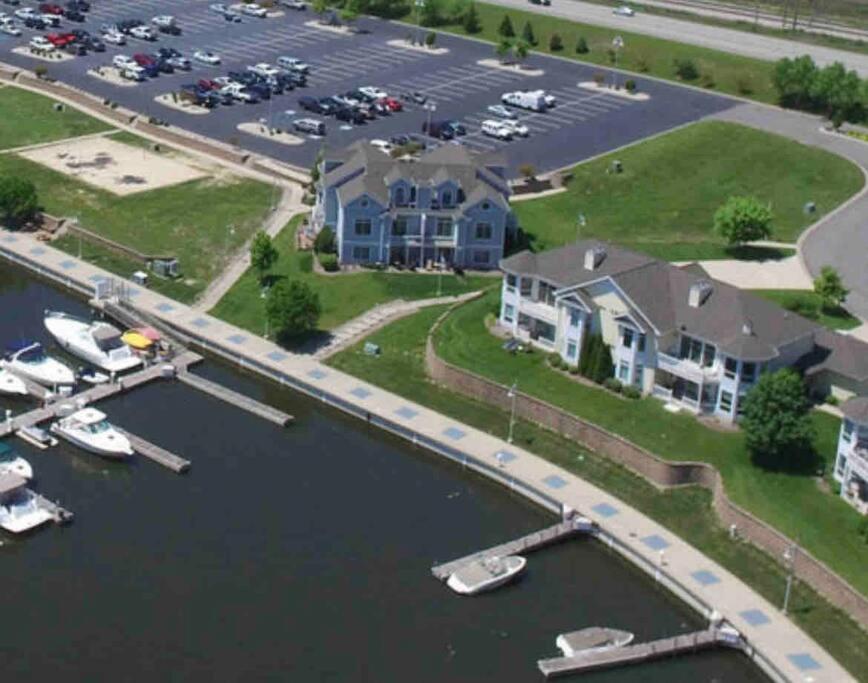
<point x="856" y="409"/>
<point x="839" y="353"/>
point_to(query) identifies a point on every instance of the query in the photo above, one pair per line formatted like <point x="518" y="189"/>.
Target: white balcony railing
<point x="539" y="310"/>
<point x="686" y="369"/>
<point x="859" y="460"/>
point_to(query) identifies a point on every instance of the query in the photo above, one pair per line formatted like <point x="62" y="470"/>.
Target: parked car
<point x="496" y="129"/>
<point x="293" y="64"/>
<point x="501" y="112"/>
<point x="534" y="100"/>
<point x="78" y="5"/>
<point x="624" y="11"/>
<point x="175" y="58"/>
<point x="35" y="22"/>
<point x="392" y="104"/>
<point x="39" y="43"/>
<point x="206" y="57"/>
<point x="123" y="62"/>
<point x="51" y="8"/>
<point x="114" y="38"/>
<point x="10" y="28"/>
<point x="74" y="15"/>
<point x="311" y="104"/>
<point x="541" y="2"/>
<point x="263" y="69"/>
<point x="52" y="20"/>
<point x="253" y="10"/>
<point x="415" y="97"/>
<point x="242" y="93"/>
<point x="25" y="12"/>
<point x="516" y="128"/>
<point x="456" y="127"/>
<point x="438" y="129"/>
<point x="311" y="126"/>
<point x="60" y="39"/>
<point x="127" y="25"/>
<point x="383" y="145"/>
<point x="294" y="4"/>
<point x="375" y="93"/>
<point x="143" y="33"/>
<point x="350" y="115"/>
<point x="133" y="72"/>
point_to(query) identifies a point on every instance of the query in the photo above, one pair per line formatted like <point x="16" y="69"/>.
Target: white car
<point x="294" y="4"/>
<point x="371" y="91"/>
<point x="253" y="10"/>
<point x="501" y="112"/>
<point x="40" y="43"/>
<point x="224" y="81"/>
<point x="264" y="69"/>
<point x="496" y="129"/>
<point x="206" y="57"/>
<point x="8" y="27"/>
<point x="132" y="73"/>
<point x="383" y="145"/>
<point x="115" y="38"/>
<point x="238" y="91"/>
<point x="25" y="13"/>
<point x="518" y="129"/>
<point x="218" y="7"/>
<point x="624" y="11"/>
<point x="50" y="19"/>
<point x="163" y="21"/>
<point x="143" y="33"/>
<point x="293" y="64"/>
<point x="123" y="62"/>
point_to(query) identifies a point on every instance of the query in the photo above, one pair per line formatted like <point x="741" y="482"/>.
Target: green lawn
<point x="821" y="522"/>
<point x="342" y="296"/>
<point x="685" y="511"/>
<point x="29" y="119"/>
<point x="193" y="220"/>
<point x="670" y="187"/>
<point x="809" y="305"/>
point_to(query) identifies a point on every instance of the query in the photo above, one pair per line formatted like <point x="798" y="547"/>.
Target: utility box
<point x="140" y="277"/>
<point x="166" y="267"/>
<point x="371" y="349"/>
<point x="810" y="208"/>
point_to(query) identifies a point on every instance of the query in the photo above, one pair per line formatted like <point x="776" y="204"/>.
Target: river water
<point x="298" y="554"/>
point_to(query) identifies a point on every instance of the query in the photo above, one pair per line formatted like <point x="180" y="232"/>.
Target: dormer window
<point x="486" y="206"/>
<point x="446" y="198"/>
<point x="400" y="197"/>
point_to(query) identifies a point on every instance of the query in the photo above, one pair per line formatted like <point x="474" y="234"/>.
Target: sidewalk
<point x="779" y="645"/>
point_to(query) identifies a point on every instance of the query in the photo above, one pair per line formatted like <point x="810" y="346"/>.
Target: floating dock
<point x="642" y="652"/>
<point x="159" y="455"/>
<point x="234" y="398"/>
<point x="520" y="546"/>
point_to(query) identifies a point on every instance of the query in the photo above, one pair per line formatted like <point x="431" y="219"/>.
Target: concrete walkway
<point x="787" y="273"/>
<point x="839" y="239"/>
<point x="779" y="645"/>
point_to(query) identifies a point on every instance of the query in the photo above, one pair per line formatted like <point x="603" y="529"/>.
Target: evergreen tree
<point x="471" y="20"/>
<point x="527" y="34"/>
<point x="505" y="30"/>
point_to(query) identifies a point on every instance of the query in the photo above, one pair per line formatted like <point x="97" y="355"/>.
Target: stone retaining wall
<point x="659" y="472"/>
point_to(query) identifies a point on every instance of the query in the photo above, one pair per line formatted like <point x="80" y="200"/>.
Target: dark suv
<point x="350" y="115"/>
<point x="311" y="104"/>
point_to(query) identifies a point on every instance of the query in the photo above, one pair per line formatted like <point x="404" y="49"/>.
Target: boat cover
<point x="136" y="339"/>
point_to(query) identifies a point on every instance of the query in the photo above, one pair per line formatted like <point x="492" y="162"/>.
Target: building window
<point x="510" y="282"/>
<point x="626" y="337"/>
<point x="575" y="317"/>
<point x="526" y="286"/>
<point x="847" y="433"/>
<point x="624" y="371"/>
<point x="748" y="372"/>
<point x="729" y="369"/>
<point x="726" y="401"/>
<point x="708" y="354"/>
<point x="444" y="227"/>
<point x="446" y="198"/>
<point x="641" y="343"/>
<point x="508" y="313"/>
<point x="364" y="203"/>
<point x="361" y="253"/>
<point x="399" y="227"/>
<point x="842" y="465"/>
<point x="400" y="197"/>
<point x="572" y="350"/>
<point x="484" y="231"/>
<point x="545" y="331"/>
<point x="481" y="257"/>
<point x="363" y="226"/>
<point x="545" y="293"/>
<point x="486" y="206"/>
<point x="638" y="373"/>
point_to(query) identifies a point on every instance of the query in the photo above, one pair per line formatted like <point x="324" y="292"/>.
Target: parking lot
<point x="583" y="123"/>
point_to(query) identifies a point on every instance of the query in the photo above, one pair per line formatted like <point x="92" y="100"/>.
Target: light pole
<point x="581" y="222"/>
<point x="440" y="265"/>
<point x="420" y="5"/>
<point x="789" y="562"/>
<point x="430" y="107"/>
<point x="512" y="393"/>
<point x="617" y="44"/>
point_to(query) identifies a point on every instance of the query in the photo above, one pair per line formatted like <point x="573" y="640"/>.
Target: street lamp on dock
<point x="512" y="393"/>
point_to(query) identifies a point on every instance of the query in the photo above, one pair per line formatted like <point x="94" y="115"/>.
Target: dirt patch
<point x="113" y="166"/>
<point x="511" y="67"/>
<point x="404" y="45"/>
<point x="110" y="74"/>
<point x="252" y="128"/>
<point x="174" y="102"/>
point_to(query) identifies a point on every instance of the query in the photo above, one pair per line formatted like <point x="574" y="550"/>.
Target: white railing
<point x="662" y="392"/>
<point x="686" y="369"/>
<point x="539" y="310"/>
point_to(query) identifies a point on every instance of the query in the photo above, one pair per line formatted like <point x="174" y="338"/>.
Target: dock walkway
<point x="635" y="654"/>
<point x="159" y="455"/>
<point x="526" y="544"/>
<point x="234" y="398"/>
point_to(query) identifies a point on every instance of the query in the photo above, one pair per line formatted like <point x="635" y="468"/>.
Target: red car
<point x="144" y="60"/>
<point x="51" y="8"/>
<point x="208" y="84"/>
<point x="392" y="104"/>
<point x="60" y="39"/>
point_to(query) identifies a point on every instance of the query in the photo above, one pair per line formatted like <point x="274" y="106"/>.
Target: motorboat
<point x="595" y="638"/>
<point x="485" y="574"/>
<point x="89" y="429"/>
<point x="11" y="384"/>
<point x="93" y="377"/>
<point x="36" y="436"/>
<point x="19" y="507"/>
<point x="29" y="360"/>
<point x="97" y="342"/>
<point x="12" y="462"/>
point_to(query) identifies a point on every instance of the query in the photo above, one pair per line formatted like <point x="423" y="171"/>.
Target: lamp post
<point x="430" y="107"/>
<point x="512" y="393"/>
<point x="617" y="44"/>
<point x="420" y="5"/>
<point x="581" y="222"/>
<point x="789" y="562"/>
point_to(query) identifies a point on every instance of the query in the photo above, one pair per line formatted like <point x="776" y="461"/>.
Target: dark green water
<point x="297" y="554"/>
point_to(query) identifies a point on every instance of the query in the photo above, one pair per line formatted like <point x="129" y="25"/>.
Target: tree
<point x="686" y="70"/>
<point x="319" y="7"/>
<point x="794" y="81"/>
<point x="263" y="254"/>
<point x="743" y="219"/>
<point x="430" y="39"/>
<point x="432" y="13"/>
<point x="505" y="30"/>
<point x="602" y="359"/>
<point x="18" y="200"/>
<point x="503" y="50"/>
<point x="292" y="308"/>
<point x="556" y="43"/>
<point x="351" y="11"/>
<point x="324" y="242"/>
<point x="471" y="20"/>
<point x="527" y="34"/>
<point x="582" y="46"/>
<point x="776" y="421"/>
<point x="522" y="50"/>
<point x="830" y="289"/>
<point x="837" y="91"/>
<point x="527" y="171"/>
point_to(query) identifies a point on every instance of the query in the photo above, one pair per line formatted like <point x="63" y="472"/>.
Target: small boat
<point x="28" y="359"/>
<point x="136" y="340"/>
<point x="486" y="574"/>
<point x="36" y="436"/>
<point x="92" y="376"/>
<point x="10" y="384"/>
<point x="89" y="429"/>
<point x="12" y="463"/>
<point x="595" y="638"/>
<point x="19" y="506"/>
<point x="97" y="342"/>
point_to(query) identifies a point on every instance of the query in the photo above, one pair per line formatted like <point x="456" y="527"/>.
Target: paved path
<point x="680" y="566"/>
<point x="839" y="239"/>
<point x="683" y="31"/>
<point x="787" y="273"/>
<point x="353" y="330"/>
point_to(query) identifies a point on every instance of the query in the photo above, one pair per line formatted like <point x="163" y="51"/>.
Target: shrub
<point x="612" y="55"/>
<point x="430" y="39"/>
<point x="613" y="384"/>
<point x="686" y="69"/>
<point x="573" y="369"/>
<point x="743" y="219"/>
<point x="556" y="43"/>
<point x="708" y="80"/>
<point x="325" y="241"/>
<point x="528" y="35"/>
<point x="555" y="359"/>
<point x="831" y="400"/>
<point x="582" y="46"/>
<point x="862" y="527"/>
<point x="41" y="71"/>
<point x="744" y="86"/>
<point x="505" y="30"/>
<point x="631" y="392"/>
<point x="630" y="86"/>
<point x="528" y="171"/>
<point x="599" y="78"/>
<point x="829" y="287"/>
<point x="642" y="65"/>
<point x="329" y="262"/>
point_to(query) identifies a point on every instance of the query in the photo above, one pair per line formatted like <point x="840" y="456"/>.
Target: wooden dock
<point x="520" y="546"/>
<point x="234" y="398"/>
<point x="641" y="652"/>
<point x="159" y="455"/>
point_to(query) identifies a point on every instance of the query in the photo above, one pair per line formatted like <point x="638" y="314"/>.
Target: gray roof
<point x="841" y="354"/>
<point x="856" y="409"/>
<point x="737" y="322"/>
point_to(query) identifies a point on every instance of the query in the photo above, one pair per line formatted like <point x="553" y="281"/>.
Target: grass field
<point x="822" y="522"/>
<point x="670" y="187"/>
<point x="809" y="305"/>
<point x="30" y="119"/>
<point x="685" y="511"/>
<point x="202" y="222"/>
<point x="342" y="296"/>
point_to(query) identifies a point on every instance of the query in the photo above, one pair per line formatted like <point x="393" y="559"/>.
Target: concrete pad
<point x="52" y="57"/>
<point x="404" y="45"/>
<point x="786" y="273"/>
<point x="252" y="128"/>
<point x="609" y="90"/>
<point x="343" y="30"/>
<point x="113" y="166"/>
<point x="512" y="68"/>
<point x="110" y="74"/>
<point x="172" y="101"/>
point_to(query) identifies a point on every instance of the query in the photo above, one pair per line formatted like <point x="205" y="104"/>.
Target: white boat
<point x="97" y="342"/>
<point x="36" y="436"/>
<point x="11" y="462"/>
<point x="486" y="574"/>
<point x="89" y="429"/>
<point x="93" y="377"/>
<point x="28" y="359"/>
<point x="593" y="639"/>
<point x="19" y="506"/>
<point x="10" y="384"/>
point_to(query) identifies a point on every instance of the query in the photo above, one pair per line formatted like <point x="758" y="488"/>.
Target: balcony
<point x="539" y="310"/>
<point x="687" y="369"/>
<point x="858" y="457"/>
